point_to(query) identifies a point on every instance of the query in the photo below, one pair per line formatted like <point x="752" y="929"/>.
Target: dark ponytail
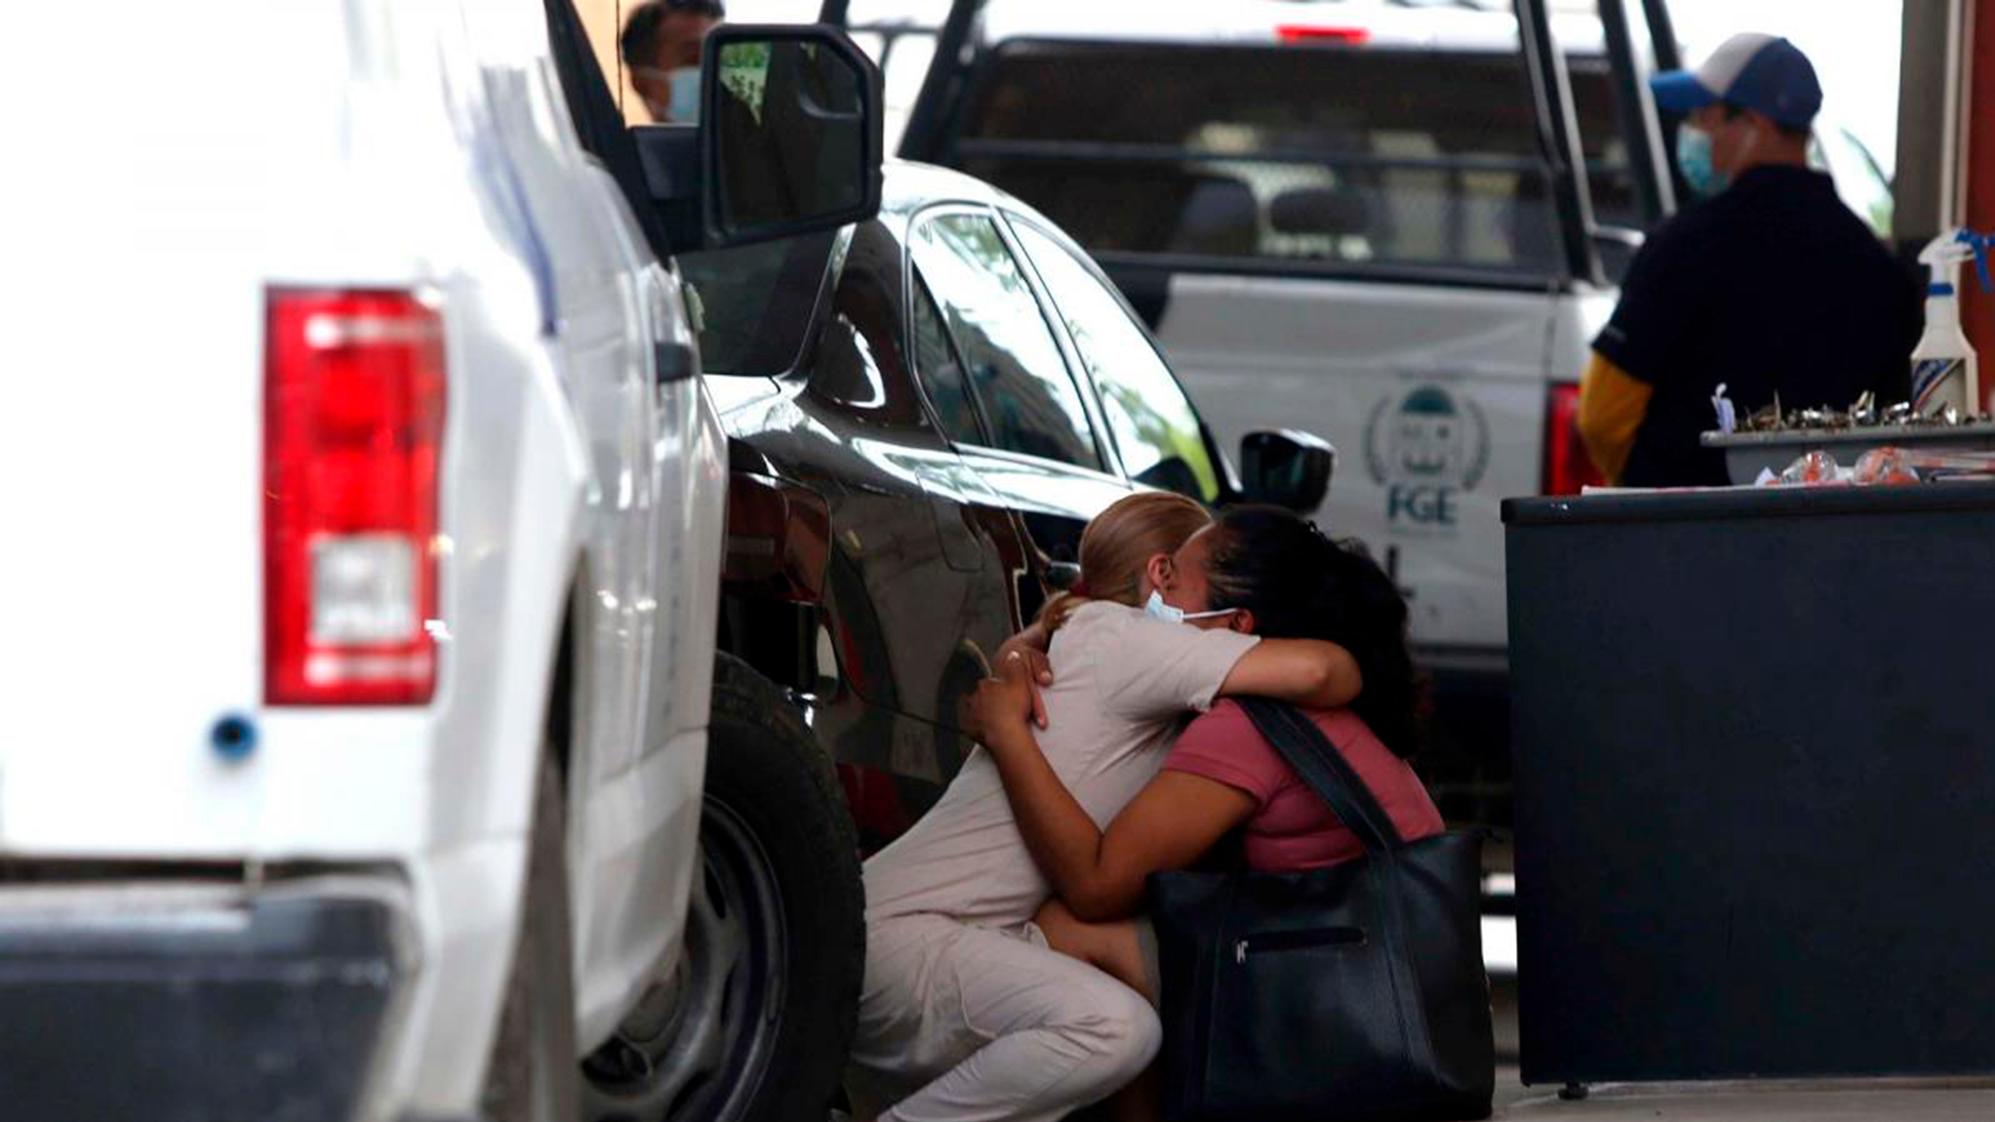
<point x="1301" y="585"/>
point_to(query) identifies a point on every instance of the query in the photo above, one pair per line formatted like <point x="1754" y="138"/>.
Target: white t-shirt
<point x="1122" y="682"/>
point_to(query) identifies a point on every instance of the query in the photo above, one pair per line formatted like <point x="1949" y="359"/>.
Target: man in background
<point x="662" y="43"/>
<point x="1767" y="283"/>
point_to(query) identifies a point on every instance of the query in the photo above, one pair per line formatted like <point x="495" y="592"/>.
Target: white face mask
<point x="1155" y="608"/>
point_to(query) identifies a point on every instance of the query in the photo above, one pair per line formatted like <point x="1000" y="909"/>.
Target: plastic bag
<point x="1813" y="469"/>
<point x="1886" y="466"/>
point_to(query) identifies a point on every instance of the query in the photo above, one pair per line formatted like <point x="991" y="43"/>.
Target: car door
<point x="1035" y="442"/>
<point x="917" y="584"/>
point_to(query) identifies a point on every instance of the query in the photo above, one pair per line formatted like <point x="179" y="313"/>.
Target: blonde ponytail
<point x="1116" y="546"/>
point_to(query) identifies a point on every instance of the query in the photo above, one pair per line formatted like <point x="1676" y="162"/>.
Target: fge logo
<point x="1425" y="448"/>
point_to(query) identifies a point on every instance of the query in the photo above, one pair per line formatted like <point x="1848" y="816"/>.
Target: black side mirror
<point x="1062" y="576"/>
<point x="788" y="142"/>
<point x="791" y="124"/>
<point x="1287" y="468"/>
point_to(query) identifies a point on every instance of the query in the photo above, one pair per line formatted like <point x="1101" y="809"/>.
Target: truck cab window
<point x="1318" y="158"/>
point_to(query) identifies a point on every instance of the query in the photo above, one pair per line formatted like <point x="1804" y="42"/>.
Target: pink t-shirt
<point x="1292" y="829"/>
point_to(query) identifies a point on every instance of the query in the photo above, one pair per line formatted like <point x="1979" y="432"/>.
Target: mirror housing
<point x="790" y="119"/>
<point x="1062" y="576"/>
<point x="789" y="140"/>
<point x="1286" y="467"/>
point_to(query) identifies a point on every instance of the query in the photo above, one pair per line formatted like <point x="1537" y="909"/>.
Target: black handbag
<point x="1349" y="994"/>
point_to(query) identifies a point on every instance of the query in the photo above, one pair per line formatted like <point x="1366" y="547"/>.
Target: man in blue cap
<point x="1766" y="283"/>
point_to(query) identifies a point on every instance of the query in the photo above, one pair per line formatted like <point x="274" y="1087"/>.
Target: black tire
<point x="766" y="771"/>
<point x="532" y="1075"/>
<point x="752" y="1021"/>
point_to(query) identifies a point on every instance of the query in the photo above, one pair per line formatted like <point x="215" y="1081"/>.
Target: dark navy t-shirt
<point x="1771" y="286"/>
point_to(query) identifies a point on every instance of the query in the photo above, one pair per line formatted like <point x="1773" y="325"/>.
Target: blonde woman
<point x="966" y="1015"/>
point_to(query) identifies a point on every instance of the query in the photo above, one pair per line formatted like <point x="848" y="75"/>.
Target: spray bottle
<point x="1943" y="364"/>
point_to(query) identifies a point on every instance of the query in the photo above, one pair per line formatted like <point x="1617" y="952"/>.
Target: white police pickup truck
<point x="366" y="527"/>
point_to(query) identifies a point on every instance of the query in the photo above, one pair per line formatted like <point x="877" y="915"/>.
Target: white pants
<point x="982" y="1025"/>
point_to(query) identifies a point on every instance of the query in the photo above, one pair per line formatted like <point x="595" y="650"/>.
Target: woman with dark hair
<point x="1272" y="575"/>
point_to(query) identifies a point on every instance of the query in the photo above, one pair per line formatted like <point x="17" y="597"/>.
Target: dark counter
<point x="1754" y="736"/>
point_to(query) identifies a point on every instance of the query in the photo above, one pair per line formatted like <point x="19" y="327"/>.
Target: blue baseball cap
<point x="1760" y="72"/>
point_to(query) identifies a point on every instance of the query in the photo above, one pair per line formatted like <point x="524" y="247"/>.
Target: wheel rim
<point x="696" y="1047"/>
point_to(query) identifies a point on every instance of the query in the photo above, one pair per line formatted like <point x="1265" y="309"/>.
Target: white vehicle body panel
<point x="1259" y="21"/>
<point x="1345" y="360"/>
<point x="1237" y="20"/>
<point x="396" y="145"/>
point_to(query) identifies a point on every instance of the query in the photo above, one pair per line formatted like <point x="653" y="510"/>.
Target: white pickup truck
<point x="366" y="521"/>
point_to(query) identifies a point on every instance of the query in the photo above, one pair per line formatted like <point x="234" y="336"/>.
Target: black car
<point x="924" y="411"/>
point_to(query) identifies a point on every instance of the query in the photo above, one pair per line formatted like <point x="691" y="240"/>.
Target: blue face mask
<point x="1155" y="608"/>
<point x="1693" y="158"/>
<point x="685" y="94"/>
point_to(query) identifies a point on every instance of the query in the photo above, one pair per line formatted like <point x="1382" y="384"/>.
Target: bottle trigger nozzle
<point x="1979" y="244"/>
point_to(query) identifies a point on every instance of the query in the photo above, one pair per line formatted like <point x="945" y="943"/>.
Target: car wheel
<point x="752" y="1022"/>
<point x="532" y="1077"/>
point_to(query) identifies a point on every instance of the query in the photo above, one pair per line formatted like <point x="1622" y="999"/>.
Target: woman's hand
<point x="1006" y="703"/>
<point x="1028" y="647"/>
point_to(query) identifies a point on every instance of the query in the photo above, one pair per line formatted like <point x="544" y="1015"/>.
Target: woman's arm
<point x="1171" y="823"/>
<point x="1306" y="672"/>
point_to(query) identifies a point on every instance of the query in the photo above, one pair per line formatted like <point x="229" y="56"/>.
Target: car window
<point x="1015" y="367"/>
<point x="941" y="372"/>
<point x="1326" y="155"/>
<point x="1151" y="420"/>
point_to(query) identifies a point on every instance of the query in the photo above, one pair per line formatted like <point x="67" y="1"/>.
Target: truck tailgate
<point x="133" y="577"/>
<point x="138" y="246"/>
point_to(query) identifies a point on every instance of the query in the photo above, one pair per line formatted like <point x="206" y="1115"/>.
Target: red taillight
<point x="1311" y="33"/>
<point x="1568" y="469"/>
<point x="352" y="431"/>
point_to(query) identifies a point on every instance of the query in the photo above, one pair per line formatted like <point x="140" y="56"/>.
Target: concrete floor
<point x="1848" y="1100"/>
<point x="1875" y="1100"/>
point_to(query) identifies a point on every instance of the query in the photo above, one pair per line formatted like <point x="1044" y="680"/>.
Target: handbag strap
<point x="1325" y="770"/>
